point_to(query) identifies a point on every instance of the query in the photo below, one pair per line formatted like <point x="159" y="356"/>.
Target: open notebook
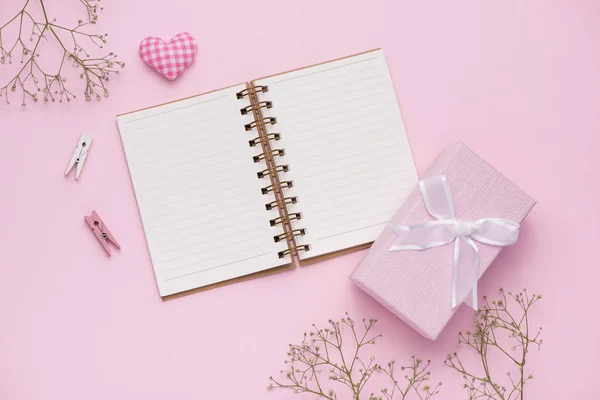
<point x="247" y="179"/>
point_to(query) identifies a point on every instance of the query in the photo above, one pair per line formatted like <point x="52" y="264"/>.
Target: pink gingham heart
<point x="171" y="58"/>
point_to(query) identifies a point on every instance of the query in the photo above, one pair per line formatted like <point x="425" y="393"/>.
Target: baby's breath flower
<point x="33" y="77"/>
<point x="490" y="324"/>
<point x="349" y="374"/>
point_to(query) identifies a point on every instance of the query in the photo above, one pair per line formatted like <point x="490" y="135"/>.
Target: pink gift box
<point x="415" y="285"/>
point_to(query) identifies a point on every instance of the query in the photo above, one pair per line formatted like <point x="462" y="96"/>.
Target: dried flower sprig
<point x="329" y="349"/>
<point x="494" y="326"/>
<point x="35" y="81"/>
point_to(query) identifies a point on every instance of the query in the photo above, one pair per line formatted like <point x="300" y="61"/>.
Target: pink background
<point x="518" y="81"/>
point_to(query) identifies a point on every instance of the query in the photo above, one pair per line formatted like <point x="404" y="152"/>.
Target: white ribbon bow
<point x="446" y="228"/>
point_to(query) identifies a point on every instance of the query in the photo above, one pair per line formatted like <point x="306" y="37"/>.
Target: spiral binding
<point x="272" y="153"/>
<point x="294" y="250"/>
<point x="291" y="234"/>
<point x="259" y="140"/>
<point x="268" y="155"/>
<point x="285" y="201"/>
<point x="285" y="219"/>
<point x="252" y="90"/>
<point x="262" y="104"/>
<point x="273" y="172"/>
<point x="264" y="121"/>
<point x="281" y="185"/>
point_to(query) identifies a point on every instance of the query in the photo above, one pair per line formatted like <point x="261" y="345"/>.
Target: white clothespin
<point x="80" y="154"/>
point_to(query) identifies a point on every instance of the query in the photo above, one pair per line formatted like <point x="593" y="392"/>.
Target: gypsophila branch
<point x="34" y="81"/>
<point x="494" y="325"/>
<point x="318" y="365"/>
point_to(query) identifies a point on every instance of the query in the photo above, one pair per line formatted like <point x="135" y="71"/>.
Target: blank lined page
<point x="197" y="190"/>
<point x="346" y="147"/>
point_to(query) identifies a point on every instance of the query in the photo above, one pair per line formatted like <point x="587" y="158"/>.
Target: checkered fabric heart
<point x="171" y="58"/>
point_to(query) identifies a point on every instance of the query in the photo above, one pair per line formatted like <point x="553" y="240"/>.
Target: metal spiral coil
<point x="264" y="121"/>
<point x="273" y="172"/>
<point x="294" y="250"/>
<point x="286" y="219"/>
<point x="285" y="201"/>
<point x="251" y="107"/>
<point x="258" y="140"/>
<point x="278" y="187"/>
<point x="289" y="235"/>
<point x="250" y="90"/>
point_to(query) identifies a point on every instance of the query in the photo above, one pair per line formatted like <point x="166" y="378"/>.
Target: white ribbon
<point x="446" y="229"/>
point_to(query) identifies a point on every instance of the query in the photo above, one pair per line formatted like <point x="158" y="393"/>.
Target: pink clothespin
<point x="101" y="231"/>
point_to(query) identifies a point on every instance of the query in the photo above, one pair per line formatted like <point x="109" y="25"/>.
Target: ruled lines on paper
<point x="197" y="191"/>
<point x="345" y="143"/>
